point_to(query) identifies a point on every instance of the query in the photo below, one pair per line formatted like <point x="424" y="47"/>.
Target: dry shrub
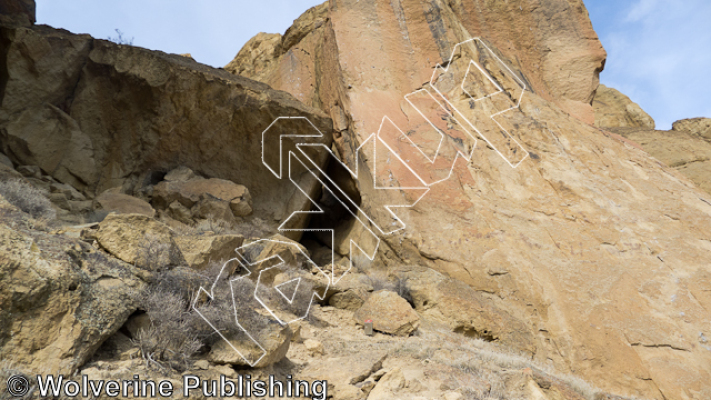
<point x="27" y="198"/>
<point x="379" y="280"/>
<point x="155" y="255"/>
<point x="170" y="340"/>
<point x="178" y="332"/>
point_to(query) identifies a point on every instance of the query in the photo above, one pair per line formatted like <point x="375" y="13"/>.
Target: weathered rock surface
<point x="696" y="126"/>
<point x="274" y="342"/>
<point x="345" y="372"/>
<point x="98" y="115"/>
<point x="22" y="11"/>
<point x="111" y="200"/>
<point x="576" y="243"/>
<point x="49" y="138"/>
<point x="389" y="312"/>
<point x="615" y="110"/>
<point x="200" y="250"/>
<point x="58" y="300"/>
<point x="552" y="41"/>
<point x="204" y="198"/>
<point x="139" y="240"/>
<point x="686" y="149"/>
<point x="465" y="310"/>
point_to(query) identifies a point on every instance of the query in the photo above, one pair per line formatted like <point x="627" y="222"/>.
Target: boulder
<point x="257" y="54"/>
<point x="313" y="346"/>
<point x="179" y="213"/>
<point x="351" y="299"/>
<point x="274" y="250"/>
<point x="697" y="126"/>
<point x="198" y="251"/>
<point x="59" y="300"/>
<point x="124" y="204"/>
<point x="180" y="174"/>
<point x="138" y="239"/>
<point x="615" y="110"/>
<point x="207" y="198"/>
<point x="562" y="60"/>
<point x="389" y="312"/>
<point x="274" y="342"/>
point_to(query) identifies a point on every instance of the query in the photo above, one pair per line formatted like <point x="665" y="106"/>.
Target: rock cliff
<point x="96" y="115"/>
<point x="514" y="244"/>
<point x="595" y="252"/>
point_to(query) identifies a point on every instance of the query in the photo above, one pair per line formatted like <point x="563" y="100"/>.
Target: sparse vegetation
<point x="379" y="280"/>
<point x="177" y="331"/>
<point x="155" y="255"/>
<point x="27" y="198"/>
<point x="120" y="38"/>
<point x="481" y="360"/>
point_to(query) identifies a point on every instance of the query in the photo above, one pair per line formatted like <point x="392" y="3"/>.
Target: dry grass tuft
<point x="27" y="198"/>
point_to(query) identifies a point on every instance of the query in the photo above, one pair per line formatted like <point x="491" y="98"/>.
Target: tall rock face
<point x="596" y="253"/>
<point x="615" y="110"/>
<point x="551" y="41"/>
<point x="97" y="115"/>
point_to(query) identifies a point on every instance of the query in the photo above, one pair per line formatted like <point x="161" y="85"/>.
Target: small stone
<point x="313" y="346"/>
<point x="453" y="396"/>
<point x="389" y="313"/>
<point x="201" y="364"/>
<point x="180" y="174"/>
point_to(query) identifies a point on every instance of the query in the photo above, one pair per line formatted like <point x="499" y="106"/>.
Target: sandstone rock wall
<point x="598" y="251"/>
<point x="97" y="115"/>
<point x="551" y="41"/>
<point x="686" y="148"/>
<point x="18" y="11"/>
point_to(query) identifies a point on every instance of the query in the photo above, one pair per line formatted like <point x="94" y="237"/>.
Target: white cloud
<point x="658" y="54"/>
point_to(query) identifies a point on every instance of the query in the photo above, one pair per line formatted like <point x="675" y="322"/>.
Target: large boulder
<point x="111" y="200"/>
<point x="615" y="110"/>
<point x="198" y="251"/>
<point x="59" y="299"/>
<point x="552" y="41"/>
<point x="389" y="312"/>
<point x="139" y="240"/>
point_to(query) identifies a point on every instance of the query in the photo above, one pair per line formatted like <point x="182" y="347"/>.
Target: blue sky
<point x="659" y="51"/>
